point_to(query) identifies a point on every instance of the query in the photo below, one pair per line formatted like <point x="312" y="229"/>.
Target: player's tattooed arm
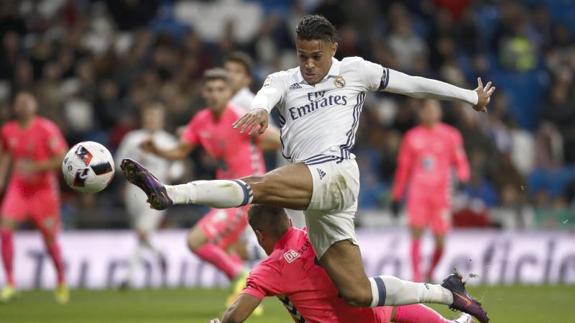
<point x="241" y="309"/>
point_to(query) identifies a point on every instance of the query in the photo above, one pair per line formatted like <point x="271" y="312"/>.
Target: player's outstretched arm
<point x="241" y="309"/>
<point x="179" y="152"/>
<point x="421" y="87"/>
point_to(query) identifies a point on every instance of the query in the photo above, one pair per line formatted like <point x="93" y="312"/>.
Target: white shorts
<point x="142" y="217"/>
<point x="331" y="212"/>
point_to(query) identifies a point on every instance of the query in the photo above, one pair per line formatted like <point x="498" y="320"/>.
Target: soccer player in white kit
<point x="143" y="219"/>
<point x="320" y="102"/>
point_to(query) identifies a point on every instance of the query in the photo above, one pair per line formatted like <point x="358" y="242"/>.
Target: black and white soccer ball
<point x="88" y="167"/>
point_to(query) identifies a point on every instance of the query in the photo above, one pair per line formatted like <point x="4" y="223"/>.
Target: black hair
<point x="315" y="27"/>
<point x="270" y="219"/>
<point x="216" y="74"/>
<point x="243" y="59"/>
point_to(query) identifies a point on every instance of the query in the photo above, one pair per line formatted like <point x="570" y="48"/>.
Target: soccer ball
<point x="88" y="167"/>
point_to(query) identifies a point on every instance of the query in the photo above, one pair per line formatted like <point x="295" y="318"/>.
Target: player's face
<point x="25" y="106"/>
<point x="314" y="57"/>
<point x="153" y="119"/>
<point x="238" y="75"/>
<point x="217" y="94"/>
<point x="430" y="112"/>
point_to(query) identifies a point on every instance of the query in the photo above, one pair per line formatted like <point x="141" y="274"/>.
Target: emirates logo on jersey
<point x="291" y="255"/>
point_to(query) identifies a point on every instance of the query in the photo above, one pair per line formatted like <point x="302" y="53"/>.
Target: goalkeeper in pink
<point x="428" y="154"/>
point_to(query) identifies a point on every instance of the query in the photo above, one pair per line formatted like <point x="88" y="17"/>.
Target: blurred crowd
<point x="94" y="63"/>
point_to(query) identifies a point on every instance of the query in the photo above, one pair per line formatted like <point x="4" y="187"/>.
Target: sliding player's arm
<point x="241" y="309"/>
<point x="257" y="120"/>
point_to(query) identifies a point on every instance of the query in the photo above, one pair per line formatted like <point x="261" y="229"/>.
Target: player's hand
<point x="255" y="121"/>
<point x="483" y="95"/>
<point x="215" y="321"/>
<point x="148" y="146"/>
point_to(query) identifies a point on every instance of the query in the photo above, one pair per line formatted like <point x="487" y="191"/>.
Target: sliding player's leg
<point x="289" y="186"/>
<point x="416" y="313"/>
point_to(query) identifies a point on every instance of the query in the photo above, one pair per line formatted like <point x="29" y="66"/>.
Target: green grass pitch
<point x="505" y="304"/>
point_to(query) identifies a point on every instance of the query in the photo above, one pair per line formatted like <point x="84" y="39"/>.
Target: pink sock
<point x="437" y="253"/>
<point x="7" y="242"/>
<point x="219" y="258"/>
<point x="415" y="259"/>
<point x="415" y="313"/>
<point x="56" y="255"/>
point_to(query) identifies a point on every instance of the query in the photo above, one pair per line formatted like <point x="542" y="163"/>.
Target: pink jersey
<point x="425" y="161"/>
<point x="237" y="153"/>
<point x="39" y="142"/>
<point x="292" y="274"/>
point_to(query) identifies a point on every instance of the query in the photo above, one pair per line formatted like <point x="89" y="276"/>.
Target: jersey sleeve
<point x="272" y="92"/>
<point x="404" y="164"/>
<point x="191" y="133"/>
<point x="264" y="280"/>
<point x="55" y="139"/>
<point x="375" y="76"/>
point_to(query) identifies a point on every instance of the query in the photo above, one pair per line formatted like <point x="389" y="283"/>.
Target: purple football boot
<point x="462" y="301"/>
<point x="147" y="182"/>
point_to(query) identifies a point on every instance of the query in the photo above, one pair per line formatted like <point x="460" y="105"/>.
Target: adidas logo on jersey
<point x="321" y="173"/>
<point x="295" y="86"/>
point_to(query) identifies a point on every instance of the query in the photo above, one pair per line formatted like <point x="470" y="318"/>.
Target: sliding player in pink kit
<point x="427" y="155"/>
<point x="292" y="273"/>
<point x="35" y="147"/>
<point x="238" y="155"/>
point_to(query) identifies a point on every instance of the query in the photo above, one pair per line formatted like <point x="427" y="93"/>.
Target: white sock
<point x="390" y="290"/>
<point x="216" y="193"/>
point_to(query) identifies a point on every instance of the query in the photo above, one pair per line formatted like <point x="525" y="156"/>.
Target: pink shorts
<point x="428" y="213"/>
<point x="223" y="227"/>
<point x="42" y="207"/>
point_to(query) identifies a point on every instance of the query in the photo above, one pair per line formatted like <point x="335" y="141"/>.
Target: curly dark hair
<point x="315" y="27"/>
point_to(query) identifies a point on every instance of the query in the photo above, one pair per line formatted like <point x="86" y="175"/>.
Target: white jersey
<point x="163" y="169"/>
<point x="319" y="122"/>
<point x="243" y="99"/>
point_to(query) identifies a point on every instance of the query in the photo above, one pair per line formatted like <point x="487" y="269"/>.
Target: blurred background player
<point x="144" y="219"/>
<point x="239" y="67"/>
<point x="35" y="147"/>
<point x="237" y="154"/>
<point x="314" y="298"/>
<point x="427" y="155"/>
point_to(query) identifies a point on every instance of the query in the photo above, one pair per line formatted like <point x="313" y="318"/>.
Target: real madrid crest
<point x="339" y="81"/>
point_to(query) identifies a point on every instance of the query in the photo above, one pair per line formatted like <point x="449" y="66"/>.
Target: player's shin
<point x="389" y="290"/>
<point x="7" y="245"/>
<point x="216" y="193"/>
